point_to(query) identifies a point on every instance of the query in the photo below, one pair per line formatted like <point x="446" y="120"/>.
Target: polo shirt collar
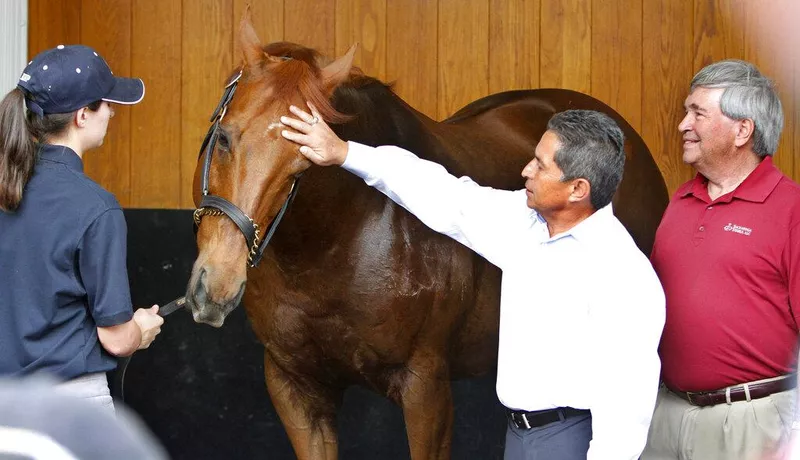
<point x="756" y="187"/>
<point x="61" y="154"/>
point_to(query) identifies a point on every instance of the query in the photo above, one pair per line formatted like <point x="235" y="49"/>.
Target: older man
<point x="581" y="308"/>
<point x="728" y="255"/>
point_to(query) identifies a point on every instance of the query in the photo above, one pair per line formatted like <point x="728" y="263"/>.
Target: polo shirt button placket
<point x="699" y="232"/>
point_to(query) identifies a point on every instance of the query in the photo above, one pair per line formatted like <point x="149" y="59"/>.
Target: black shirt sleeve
<point x="102" y="258"/>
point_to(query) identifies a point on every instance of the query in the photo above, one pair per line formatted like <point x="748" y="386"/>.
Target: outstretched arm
<point x="481" y="218"/>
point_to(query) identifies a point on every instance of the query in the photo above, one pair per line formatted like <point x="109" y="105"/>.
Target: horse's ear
<point x="337" y="71"/>
<point x="249" y="42"/>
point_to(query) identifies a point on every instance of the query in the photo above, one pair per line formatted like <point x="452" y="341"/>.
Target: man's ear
<point x="745" y="131"/>
<point x="581" y="190"/>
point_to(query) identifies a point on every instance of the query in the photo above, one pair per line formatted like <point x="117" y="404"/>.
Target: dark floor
<point x="201" y="390"/>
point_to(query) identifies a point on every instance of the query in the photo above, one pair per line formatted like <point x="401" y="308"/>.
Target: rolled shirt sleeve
<point x="102" y="259"/>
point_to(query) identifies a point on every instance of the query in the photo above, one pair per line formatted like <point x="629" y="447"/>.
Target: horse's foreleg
<point x="308" y="413"/>
<point x="428" y="408"/>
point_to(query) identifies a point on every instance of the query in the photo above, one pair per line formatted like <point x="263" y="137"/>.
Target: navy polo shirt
<point x="62" y="271"/>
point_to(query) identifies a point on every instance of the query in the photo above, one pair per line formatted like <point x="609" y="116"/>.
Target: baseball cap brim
<point x="126" y="91"/>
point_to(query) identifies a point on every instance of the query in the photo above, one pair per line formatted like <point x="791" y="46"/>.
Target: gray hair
<point x="592" y="147"/>
<point x="748" y="94"/>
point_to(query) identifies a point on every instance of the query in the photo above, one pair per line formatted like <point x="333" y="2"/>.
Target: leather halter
<point x="215" y="205"/>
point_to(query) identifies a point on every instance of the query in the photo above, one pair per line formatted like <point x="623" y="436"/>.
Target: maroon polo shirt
<point x="731" y="274"/>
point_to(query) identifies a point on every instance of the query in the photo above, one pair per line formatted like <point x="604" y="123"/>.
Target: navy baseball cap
<point x="67" y="78"/>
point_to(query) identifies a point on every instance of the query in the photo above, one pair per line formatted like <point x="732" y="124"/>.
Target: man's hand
<point x="149" y="324"/>
<point x="317" y="142"/>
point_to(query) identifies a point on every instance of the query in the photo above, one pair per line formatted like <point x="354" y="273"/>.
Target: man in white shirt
<point x="581" y="309"/>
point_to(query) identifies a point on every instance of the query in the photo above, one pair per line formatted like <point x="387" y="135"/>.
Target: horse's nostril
<point x="200" y="292"/>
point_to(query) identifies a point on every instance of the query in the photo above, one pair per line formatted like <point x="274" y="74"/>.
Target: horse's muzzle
<point x="204" y="309"/>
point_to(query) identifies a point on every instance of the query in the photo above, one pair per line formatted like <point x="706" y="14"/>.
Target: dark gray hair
<point x="592" y="147"/>
<point x="748" y="94"/>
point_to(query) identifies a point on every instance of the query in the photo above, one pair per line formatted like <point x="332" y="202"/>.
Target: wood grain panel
<point x="513" y="44"/>
<point x="363" y="22"/>
<point x="412" y="52"/>
<point x="206" y="48"/>
<point x="52" y="23"/>
<point x="267" y="17"/>
<point x="667" y="71"/>
<point x="311" y="23"/>
<point x="566" y="45"/>
<point x="718" y="31"/>
<point x="156" y="121"/>
<point x="463" y="53"/>
<point x="768" y="45"/>
<point x="106" y="27"/>
<point x="617" y="57"/>
<point x="637" y="55"/>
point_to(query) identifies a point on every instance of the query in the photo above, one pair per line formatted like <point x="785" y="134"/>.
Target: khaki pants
<point x="739" y="431"/>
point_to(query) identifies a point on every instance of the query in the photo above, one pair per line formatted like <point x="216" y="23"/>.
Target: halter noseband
<point x="214" y="205"/>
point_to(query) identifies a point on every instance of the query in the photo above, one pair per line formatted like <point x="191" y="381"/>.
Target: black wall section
<point x="201" y="390"/>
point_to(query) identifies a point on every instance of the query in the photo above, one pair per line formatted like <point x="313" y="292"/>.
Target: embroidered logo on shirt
<point x="738" y="229"/>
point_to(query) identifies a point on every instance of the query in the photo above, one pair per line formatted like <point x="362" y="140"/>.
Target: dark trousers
<point x="564" y="440"/>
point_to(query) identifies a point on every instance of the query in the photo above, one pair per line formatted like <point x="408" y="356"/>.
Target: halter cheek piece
<point x="214" y="205"/>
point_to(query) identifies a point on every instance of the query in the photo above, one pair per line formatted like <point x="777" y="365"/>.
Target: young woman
<point x="64" y="294"/>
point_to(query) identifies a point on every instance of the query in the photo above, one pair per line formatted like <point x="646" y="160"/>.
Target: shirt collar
<point x="61" y="154"/>
<point x="756" y="187"/>
<point x="589" y="228"/>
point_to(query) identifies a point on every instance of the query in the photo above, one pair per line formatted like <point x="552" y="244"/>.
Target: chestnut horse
<point x="353" y="290"/>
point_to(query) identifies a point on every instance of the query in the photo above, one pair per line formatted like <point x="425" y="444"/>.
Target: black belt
<point x="736" y="393"/>
<point x="528" y="420"/>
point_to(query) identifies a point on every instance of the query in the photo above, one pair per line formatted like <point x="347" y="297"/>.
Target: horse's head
<point x="251" y="169"/>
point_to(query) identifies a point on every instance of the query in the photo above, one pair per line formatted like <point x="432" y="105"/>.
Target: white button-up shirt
<point x="581" y="312"/>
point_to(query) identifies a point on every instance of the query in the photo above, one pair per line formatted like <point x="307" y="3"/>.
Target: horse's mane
<point x="300" y="72"/>
<point x="352" y="107"/>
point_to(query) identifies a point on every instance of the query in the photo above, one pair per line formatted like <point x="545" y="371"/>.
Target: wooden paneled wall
<point x="636" y="55"/>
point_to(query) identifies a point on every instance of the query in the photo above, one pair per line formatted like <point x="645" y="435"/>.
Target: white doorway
<point x="13" y="42"/>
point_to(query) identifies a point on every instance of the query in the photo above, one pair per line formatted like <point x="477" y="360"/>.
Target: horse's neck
<point x="382" y="118"/>
<point x="334" y="208"/>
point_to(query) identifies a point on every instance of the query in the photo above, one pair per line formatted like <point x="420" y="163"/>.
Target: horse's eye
<point x="222" y="142"/>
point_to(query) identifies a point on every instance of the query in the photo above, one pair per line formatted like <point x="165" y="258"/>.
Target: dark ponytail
<point x="17" y="150"/>
<point x="19" y="132"/>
